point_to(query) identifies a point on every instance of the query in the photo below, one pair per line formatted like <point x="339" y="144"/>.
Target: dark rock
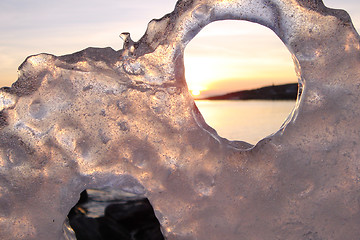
<point x="126" y="220"/>
<point x="111" y="230"/>
<point x="138" y="217"/>
<point x="86" y="228"/>
<point x="279" y="92"/>
<point x="132" y="214"/>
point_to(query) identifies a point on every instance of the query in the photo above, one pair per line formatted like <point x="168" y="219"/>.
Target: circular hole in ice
<point x="230" y="56"/>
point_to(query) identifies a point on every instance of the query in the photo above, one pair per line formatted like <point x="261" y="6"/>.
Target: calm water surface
<point x="245" y="120"/>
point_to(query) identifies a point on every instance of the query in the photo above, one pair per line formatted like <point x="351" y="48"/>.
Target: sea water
<point x="245" y="120"/>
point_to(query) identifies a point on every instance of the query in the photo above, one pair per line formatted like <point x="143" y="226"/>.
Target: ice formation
<point x="124" y="119"/>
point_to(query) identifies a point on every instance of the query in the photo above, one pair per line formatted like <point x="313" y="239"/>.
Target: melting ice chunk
<point x="88" y="119"/>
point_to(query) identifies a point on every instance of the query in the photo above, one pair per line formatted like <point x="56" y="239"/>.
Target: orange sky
<point x="240" y="55"/>
<point x="225" y="56"/>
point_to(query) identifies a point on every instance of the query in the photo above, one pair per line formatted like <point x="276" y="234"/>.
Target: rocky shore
<point x="278" y="92"/>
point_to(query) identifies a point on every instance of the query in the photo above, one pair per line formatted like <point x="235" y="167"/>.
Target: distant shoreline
<point x="275" y="92"/>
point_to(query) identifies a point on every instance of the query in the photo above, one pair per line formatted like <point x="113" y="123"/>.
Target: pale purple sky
<point x="29" y="27"/>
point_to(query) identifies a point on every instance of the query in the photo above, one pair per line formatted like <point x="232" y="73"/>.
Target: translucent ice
<point x="124" y="119"/>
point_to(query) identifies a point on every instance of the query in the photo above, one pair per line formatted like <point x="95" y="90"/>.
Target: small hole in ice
<point x="230" y="56"/>
<point x="112" y="214"/>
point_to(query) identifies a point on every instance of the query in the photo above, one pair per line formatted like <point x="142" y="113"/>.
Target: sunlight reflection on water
<point x="245" y="120"/>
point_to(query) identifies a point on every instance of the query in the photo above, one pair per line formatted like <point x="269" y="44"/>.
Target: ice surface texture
<point x="124" y="119"/>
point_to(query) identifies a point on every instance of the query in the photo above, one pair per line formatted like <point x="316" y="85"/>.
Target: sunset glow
<point x="240" y="56"/>
<point x="225" y="56"/>
<point x="195" y="92"/>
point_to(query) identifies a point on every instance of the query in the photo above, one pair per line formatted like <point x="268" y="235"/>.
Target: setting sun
<point x="195" y="92"/>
